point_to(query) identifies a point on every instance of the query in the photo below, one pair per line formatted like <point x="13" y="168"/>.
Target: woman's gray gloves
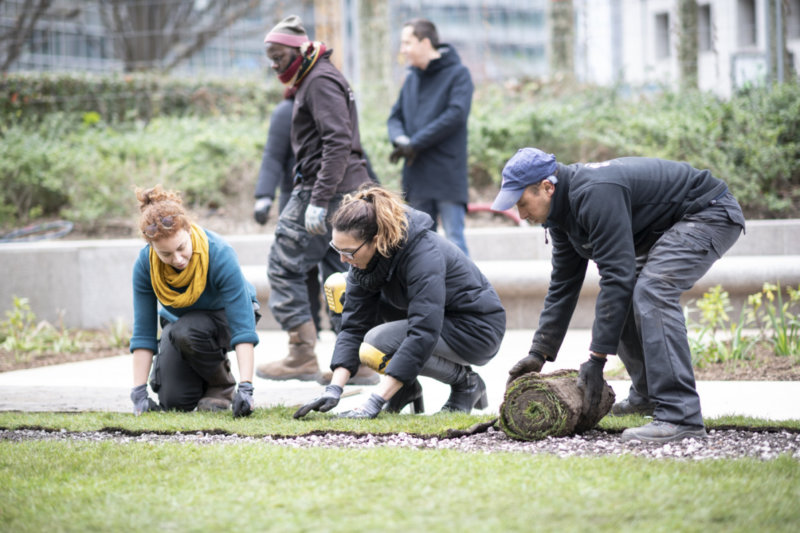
<point x="141" y="400"/>
<point x="370" y="409"/>
<point x="243" y="402"/>
<point x="323" y="404"/>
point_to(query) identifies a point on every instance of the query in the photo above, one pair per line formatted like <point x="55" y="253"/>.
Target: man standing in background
<point x="428" y="128"/>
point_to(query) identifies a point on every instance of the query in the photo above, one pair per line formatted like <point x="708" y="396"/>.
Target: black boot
<point x="467" y="389"/>
<point x="406" y="395"/>
<point x="466" y="393"/>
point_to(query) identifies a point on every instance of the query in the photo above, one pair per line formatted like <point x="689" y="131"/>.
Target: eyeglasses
<point x="165" y="222"/>
<point x="348" y="255"/>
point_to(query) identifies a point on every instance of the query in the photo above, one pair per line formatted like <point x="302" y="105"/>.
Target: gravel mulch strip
<point x="720" y="444"/>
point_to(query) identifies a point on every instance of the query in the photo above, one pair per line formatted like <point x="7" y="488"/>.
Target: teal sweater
<point x="226" y="288"/>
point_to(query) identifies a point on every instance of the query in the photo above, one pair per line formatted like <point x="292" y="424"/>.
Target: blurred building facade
<point x="636" y="42"/>
<point x="624" y="42"/>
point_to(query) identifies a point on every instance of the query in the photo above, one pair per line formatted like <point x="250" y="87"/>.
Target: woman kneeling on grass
<point x="453" y="317"/>
<point x="207" y="306"/>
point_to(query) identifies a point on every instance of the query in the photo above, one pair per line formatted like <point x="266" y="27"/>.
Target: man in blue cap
<point x="653" y="227"/>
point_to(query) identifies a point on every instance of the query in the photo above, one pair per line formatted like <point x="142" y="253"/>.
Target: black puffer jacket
<point x="430" y="278"/>
<point x="611" y="212"/>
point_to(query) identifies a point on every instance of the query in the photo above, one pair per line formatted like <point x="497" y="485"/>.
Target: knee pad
<point x="335" y="286"/>
<point x="373" y="358"/>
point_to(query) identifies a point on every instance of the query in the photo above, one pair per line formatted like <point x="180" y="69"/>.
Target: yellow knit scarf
<point x="163" y="277"/>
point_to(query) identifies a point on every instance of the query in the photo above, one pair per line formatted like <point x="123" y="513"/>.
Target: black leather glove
<point x="591" y="382"/>
<point x="324" y="403"/>
<point x="370" y="409"/>
<point x="533" y="362"/>
<point x="243" y="402"/>
<point x="403" y="148"/>
<point x="261" y="209"/>
<point x="141" y="400"/>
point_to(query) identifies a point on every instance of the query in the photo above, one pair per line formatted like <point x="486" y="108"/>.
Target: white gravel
<point x="720" y="444"/>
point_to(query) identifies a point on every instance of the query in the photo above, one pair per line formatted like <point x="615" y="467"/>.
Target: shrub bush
<point x="75" y="146"/>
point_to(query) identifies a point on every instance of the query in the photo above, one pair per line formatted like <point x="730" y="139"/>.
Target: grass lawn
<point x="257" y="486"/>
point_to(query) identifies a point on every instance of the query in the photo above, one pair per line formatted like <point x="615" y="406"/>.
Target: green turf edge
<point x="277" y="422"/>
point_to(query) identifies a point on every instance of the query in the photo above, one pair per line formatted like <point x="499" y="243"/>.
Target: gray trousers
<point x="654" y="346"/>
<point x="293" y="254"/>
<point x="190" y="352"/>
<point x="444" y="364"/>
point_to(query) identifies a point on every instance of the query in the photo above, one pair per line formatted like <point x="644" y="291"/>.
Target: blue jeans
<point x="452" y="215"/>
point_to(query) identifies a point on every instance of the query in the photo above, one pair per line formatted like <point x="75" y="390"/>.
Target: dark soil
<point x="9" y="362"/>
<point x="764" y="366"/>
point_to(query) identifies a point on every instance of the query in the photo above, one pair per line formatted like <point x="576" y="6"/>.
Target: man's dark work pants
<point x="654" y="345"/>
<point x="294" y="253"/>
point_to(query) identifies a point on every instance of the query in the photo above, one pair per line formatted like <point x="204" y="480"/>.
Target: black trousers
<point x="190" y="351"/>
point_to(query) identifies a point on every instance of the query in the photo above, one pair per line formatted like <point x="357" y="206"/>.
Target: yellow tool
<point x="373" y="358"/>
<point x="334" y="291"/>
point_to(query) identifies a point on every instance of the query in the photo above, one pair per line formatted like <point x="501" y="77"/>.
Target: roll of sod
<point x="536" y="406"/>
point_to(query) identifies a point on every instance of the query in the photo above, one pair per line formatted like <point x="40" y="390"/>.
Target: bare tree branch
<point x="159" y="34"/>
<point x="13" y="38"/>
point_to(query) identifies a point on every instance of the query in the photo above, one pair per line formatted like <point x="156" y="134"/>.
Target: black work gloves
<point x="370" y="409"/>
<point x="243" y="402"/>
<point x="261" y="209"/>
<point x="323" y="404"/>
<point x="590" y="381"/>
<point x="403" y="148"/>
<point x="533" y="362"/>
<point x="141" y="400"/>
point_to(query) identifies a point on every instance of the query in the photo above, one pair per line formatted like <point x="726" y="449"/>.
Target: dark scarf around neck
<point x="310" y="52"/>
<point x="376" y="274"/>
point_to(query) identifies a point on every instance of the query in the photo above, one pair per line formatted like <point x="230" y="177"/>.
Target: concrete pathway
<point x="104" y="384"/>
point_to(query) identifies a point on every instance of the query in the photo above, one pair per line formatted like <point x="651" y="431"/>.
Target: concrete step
<point x="522" y="285"/>
<point x="87" y="283"/>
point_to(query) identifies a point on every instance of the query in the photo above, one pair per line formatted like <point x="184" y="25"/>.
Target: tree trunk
<point x="688" y="43"/>
<point x="562" y="38"/>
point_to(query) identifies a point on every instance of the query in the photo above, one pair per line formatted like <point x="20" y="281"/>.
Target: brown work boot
<point x="364" y="376"/>
<point x="301" y="363"/>
<point x="219" y="394"/>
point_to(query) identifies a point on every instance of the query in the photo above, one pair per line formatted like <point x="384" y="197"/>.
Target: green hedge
<point x="752" y="140"/>
<point x="120" y="98"/>
<point x="63" y="154"/>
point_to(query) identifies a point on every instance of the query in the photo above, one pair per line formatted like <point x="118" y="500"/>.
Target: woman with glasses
<point x="453" y="317"/>
<point x="191" y="278"/>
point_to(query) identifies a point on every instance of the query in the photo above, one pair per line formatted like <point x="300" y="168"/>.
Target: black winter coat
<point x="429" y="278"/>
<point x="278" y="159"/>
<point x="612" y="212"/>
<point x="432" y="110"/>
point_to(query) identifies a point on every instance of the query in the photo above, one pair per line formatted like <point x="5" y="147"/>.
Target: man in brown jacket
<point x="330" y="163"/>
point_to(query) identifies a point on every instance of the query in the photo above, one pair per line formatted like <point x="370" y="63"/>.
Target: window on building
<point x="793" y="20"/>
<point x="662" y="35"/>
<point x="746" y="15"/>
<point x="705" y="37"/>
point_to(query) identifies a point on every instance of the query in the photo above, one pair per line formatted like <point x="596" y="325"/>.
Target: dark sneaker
<point x="659" y="431"/>
<point x="626" y="407"/>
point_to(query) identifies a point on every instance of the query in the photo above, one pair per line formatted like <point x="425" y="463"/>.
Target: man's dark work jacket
<point x="325" y="136"/>
<point x="612" y="212"/>
<point x="432" y="110"/>
<point x="431" y="279"/>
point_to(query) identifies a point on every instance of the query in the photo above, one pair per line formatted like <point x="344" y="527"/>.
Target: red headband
<point x="284" y="38"/>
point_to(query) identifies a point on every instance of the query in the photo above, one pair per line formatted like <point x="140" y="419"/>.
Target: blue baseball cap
<point x="526" y="167"/>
